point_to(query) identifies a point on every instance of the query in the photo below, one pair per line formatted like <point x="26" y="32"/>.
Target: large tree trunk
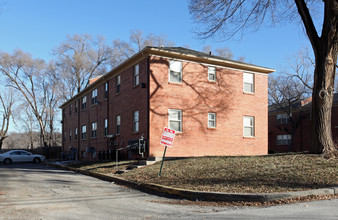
<point x="325" y="51"/>
<point x="322" y="98"/>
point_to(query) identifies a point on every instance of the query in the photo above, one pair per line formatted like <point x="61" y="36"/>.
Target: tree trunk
<point x="322" y="98"/>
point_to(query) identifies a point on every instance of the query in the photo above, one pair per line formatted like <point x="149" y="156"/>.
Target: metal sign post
<point x="166" y="140"/>
<point x="165" y="149"/>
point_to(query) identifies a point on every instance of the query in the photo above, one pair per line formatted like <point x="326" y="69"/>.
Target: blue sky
<point x="38" y="26"/>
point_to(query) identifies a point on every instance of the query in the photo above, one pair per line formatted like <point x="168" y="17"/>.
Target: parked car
<point x="20" y="156"/>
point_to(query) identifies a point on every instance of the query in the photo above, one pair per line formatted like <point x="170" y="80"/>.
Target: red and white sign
<point x="168" y="137"/>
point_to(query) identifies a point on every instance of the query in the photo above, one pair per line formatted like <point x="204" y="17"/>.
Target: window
<point x="211" y="73"/>
<point x="105" y="126"/>
<point x="284" y="139"/>
<point x="175" y="71"/>
<point x="83" y="132"/>
<point x="248" y="82"/>
<point x="75" y="134"/>
<point x="175" y="119"/>
<point x="211" y="120"/>
<point x="118" y="84"/>
<point x="248" y="126"/>
<point x="70" y="109"/>
<point x="136" y="121"/>
<point x="283" y="118"/>
<point x="84" y="103"/>
<point x="136" y="75"/>
<point x="70" y="135"/>
<point x="94" y="97"/>
<point x="118" y="124"/>
<point x="106" y="90"/>
<point x="94" y="128"/>
<point x="75" y="106"/>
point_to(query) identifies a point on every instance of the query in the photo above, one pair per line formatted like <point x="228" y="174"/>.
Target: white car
<point x="20" y="156"/>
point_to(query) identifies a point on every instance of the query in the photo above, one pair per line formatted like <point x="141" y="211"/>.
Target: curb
<point x="200" y="195"/>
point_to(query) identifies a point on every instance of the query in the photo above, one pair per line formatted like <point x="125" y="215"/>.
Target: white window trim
<point x="136" y="75"/>
<point x="252" y="127"/>
<point x="253" y="83"/>
<point x="209" y="67"/>
<point x="181" y="72"/>
<point x="287" y="139"/>
<point x="118" y="124"/>
<point x="181" y="121"/>
<point x="136" y="122"/>
<point x="284" y="118"/>
<point x="83" y="131"/>
<point x="105" y="126"/>
<point x="94" y="97"/>
<point x="75" y="134"/>
<point x="212" y="113"/>
<point x="118" y="84"/>
<point x="94" y="128"/>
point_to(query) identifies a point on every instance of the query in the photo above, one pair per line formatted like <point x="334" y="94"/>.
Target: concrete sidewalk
<point x="200" y="195"/>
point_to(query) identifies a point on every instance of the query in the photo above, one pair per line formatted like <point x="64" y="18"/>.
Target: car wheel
<point x="7" y="161"/>
<point x="36" y="160"/>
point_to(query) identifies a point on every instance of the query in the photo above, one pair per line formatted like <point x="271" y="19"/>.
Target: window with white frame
<point x="175" y="119"/>
<point x="94" y="129"/>
<point x="94" y="97"/>
<point x="283" y="118"/>
<point x="211" y="120"/>
<point x="106" y="90"/>
<point x="136" y="121"/>
<point x="84" y="103"/>
<point x="248" y="83"/>
<point x="118" y="84"/>
<point x="118" y="124"/>
<point x="248" y="126"/>
<point x="105" y="126"/>
<point x="75" y="134"/>
<point x="284" y="139"/>
<point x="83" y="132"/>
<point x="175" y="71"/>
<point x="211" y="73"/>
<point x="136" y="74"/>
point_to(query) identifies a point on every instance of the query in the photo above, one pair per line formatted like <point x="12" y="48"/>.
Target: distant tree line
<point x="32" y="89"/>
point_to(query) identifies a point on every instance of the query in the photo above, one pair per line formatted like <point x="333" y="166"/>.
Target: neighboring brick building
<point x="280" y="127"/>
<point x="217" y="106"/>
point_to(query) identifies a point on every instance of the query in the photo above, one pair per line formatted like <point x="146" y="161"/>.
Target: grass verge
<point x="256" y="174"/>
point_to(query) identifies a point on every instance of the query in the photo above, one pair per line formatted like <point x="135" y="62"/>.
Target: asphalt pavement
<point x="30" y="191"/>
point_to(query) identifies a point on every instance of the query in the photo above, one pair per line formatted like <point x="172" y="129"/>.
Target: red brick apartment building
<point x="217" y="107"/>
<point x="280" y="127"/>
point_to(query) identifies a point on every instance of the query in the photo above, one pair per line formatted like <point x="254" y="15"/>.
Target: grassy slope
<point x="275" y="173"/>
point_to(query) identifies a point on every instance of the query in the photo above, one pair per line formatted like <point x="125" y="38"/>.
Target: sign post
<point x="166" y="140"/>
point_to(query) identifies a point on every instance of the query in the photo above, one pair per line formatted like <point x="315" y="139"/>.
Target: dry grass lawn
<point x="273" y="173"/>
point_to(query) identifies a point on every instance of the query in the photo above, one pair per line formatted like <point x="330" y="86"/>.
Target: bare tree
<point x="78" y="59"/>
<point x="285" y="94"/>
<point x="6" y="104"/>
<point x="230" y="17"/>
<point x="24" y="73"/>
<point x="220" y="51"/>
<point x="123" y="50"/>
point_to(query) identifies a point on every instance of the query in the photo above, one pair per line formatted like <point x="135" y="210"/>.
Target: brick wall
<point x="196" y="96"/>
<point x="302" y="139"/>
<point x="129" y="99"/>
